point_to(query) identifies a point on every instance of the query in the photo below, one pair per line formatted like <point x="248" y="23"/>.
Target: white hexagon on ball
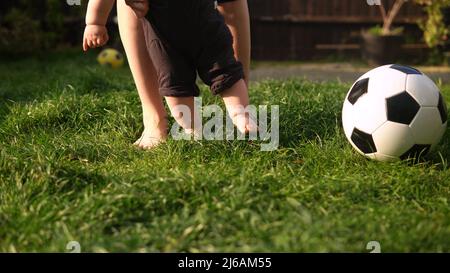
<point x="371" y="113"/>
<point x="428" y="117"/>
<point x="423" y="89"/>
<point x="387" y="82"/>
<point x="393" y="145"/>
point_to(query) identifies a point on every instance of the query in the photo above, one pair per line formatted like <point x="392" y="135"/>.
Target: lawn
<point x="68" y="172"/>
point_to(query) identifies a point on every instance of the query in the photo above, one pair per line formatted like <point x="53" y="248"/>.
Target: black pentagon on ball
<point x="416" y="151"/>
<point x="359" y="89"/>
<point x="363" y="141"/>
<point x="402" y="108"/>
<point x="442" y="109"/>
<point x="118" y="57"/>
<point x="406" y="69"/>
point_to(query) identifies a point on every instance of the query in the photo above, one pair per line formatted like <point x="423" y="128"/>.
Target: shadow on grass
<point x="89" y="81"/>
<point x="75" y="179"/>
<point x="94" y="153"/>
<point x="56" y="181"/>
<point x="4" y="112"/>
<point x="47" y="75"/>
<point x="439" y="158"/>
<point x="308" y="124"/>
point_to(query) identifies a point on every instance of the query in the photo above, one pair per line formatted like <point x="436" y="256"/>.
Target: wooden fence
<point x="308" y="29"/>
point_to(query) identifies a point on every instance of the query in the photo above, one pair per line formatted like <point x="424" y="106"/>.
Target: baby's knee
<point x="126" y="17"/>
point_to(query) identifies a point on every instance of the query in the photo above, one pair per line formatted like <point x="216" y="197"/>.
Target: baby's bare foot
<point x="150" y="139"/>
<point x="244" y="123"/>
<point x="155" y="132"/>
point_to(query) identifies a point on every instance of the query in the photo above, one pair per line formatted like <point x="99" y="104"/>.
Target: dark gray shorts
<point x="186" y="37"/>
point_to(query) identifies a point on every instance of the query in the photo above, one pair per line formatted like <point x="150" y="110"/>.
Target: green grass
<point x="68" y="172"/>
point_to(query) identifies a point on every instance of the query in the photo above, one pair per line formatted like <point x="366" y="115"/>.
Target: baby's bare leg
<point x="178" y="106"/>
<point x="144" y="74"/>
<point x="236" y="100"/>
<point x="237" y="18"/>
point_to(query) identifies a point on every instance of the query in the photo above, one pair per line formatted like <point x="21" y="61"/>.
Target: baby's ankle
<point x="158" y="126"/>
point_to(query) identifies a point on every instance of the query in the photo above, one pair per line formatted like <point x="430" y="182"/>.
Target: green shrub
<point x="20" y="33"/>
<point x="378" y="31"/>
<point x="30" y="26"/>
<point x="434" y="28"/>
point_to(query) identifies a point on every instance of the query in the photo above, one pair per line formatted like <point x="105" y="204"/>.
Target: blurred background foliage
<point x="436" y="26"/>
<point x="34" y="25"/>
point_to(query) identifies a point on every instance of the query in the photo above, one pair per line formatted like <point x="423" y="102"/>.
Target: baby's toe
<point x="150" y="143"/>
<point x="251" y="126"/>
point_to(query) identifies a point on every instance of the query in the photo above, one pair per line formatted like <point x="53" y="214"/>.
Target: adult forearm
<point x="237" y="18"/>
<point x="98" y="11"/>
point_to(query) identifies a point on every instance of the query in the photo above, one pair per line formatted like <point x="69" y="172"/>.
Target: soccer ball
<point x="394" y="112"/>
<point x="111" y="58"/>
